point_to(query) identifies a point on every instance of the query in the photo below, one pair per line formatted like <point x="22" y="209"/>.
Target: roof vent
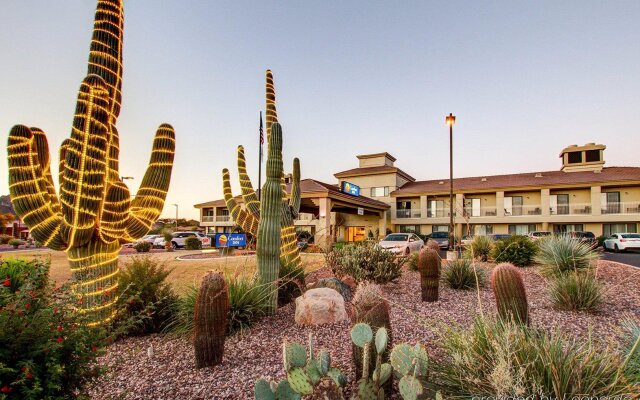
<point x="483" y="179"/>
<point x="441" y="183"/>
<point x="539" y="175"/>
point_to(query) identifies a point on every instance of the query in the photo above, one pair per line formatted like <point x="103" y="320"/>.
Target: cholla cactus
<point x="370" y="386"/>
<point x="93" y="215"/>
<point x="511" y="296"/>
<point x="429" y="268"/>
<point x="310" y="375"/>
<point x="411" y="363"/>
<point x="210" y="320"/>
<point x="248" y="218"/>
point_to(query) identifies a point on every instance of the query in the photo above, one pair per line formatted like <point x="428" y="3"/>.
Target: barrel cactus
<point x="370" y="385"/>
<point x="210" y="320"/>
<point x="307" y="375"/>
<point x="429" y="268"/>
<point x="93" y="215"/>
<point x="248" y="217"/>
<point x="411" y="364"/>
<point x="511" y="296"/>
<point x="370" y="307"/>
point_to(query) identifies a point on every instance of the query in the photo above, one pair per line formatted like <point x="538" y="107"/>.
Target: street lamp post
<point x="176" y="206"/>
<point x="451" y="120"/>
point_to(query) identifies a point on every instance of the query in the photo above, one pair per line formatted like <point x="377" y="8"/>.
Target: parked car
<point x="585" y="237"/>
<point x="466" y="240"/>
<point x="146" y="238"/>
<point x="622" y="242"/>
<point x="499" y="236"/>
<point x="442" y="238"/>
<point x="402" y="243"/>
<point x="539" y="235"/>
<point x="178" y="239"/>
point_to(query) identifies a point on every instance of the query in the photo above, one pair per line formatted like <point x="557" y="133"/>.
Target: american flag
<point x="261" y="130"/>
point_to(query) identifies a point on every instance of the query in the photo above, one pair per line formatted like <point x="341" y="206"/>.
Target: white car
<point x="539" y="235"/>
<point x="622" y="242"/>
<point x="146" y="238"/>
<point x="402" y="243"/>
<point x="178" y="239"/>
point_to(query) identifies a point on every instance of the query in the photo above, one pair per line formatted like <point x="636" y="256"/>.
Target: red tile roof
<point x="535" y="179"/>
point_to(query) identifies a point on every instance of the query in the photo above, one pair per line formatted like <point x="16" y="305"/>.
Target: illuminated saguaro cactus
<point x="248" y="218"/>
<point x="93" y="215"/>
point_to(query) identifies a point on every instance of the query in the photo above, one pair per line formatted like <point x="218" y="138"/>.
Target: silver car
<point x="402" y="243"/>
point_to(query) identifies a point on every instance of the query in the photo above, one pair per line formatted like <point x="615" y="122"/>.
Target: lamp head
<point x="450" y="119"/>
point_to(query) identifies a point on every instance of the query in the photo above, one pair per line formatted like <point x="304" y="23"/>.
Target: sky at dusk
<point x="524" y="79"/>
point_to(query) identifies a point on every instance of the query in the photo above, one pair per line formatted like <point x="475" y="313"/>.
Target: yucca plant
<point x="480" y="248"/>
<point x="460" y="274"/>
<point x="562" y="254"/>
<point x="576" y="291"/>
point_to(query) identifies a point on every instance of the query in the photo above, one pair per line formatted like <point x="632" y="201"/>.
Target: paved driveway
<point x="631" y="257"/>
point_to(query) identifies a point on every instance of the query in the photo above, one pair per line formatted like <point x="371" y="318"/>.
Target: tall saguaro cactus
<point x="268" y="246"/>
<point x="249" y="216"/>
<point x="93" y="215"/>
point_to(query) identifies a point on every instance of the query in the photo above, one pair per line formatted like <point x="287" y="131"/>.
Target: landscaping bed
<point x="170" y="372"/>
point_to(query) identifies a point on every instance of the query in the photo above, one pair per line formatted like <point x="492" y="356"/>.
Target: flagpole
<point x="261" y="139"/>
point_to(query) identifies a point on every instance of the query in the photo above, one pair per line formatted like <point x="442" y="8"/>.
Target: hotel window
<point x="574" y="157"/>
<point x="410" y="229"/>
<point x="513" y="205"/>
<point x="223" y="212"/>
<point x="593" y="155"/>
<point x="523" y="229"/>
<point x="480" y="230"/>
<point x="559" y="204"/>
<point x="440" y="228"/>
<point x="610" y="202"/>
<point x="564" y="228"/>
<point x="436" y="209"/>
<point x="472" y="207"/>
<point x="610" y="229"/>
<point x="207" y="212"/>
<point x="380" y="191"/>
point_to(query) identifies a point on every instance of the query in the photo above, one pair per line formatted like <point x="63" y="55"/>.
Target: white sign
<point x="360" y="211"/>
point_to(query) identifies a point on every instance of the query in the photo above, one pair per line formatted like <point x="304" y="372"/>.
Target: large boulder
<point x="320" y="306"/>
<point x="335" y="284"/>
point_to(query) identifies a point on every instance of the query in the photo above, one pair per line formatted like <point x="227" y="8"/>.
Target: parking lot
<point x="631" y="257"/>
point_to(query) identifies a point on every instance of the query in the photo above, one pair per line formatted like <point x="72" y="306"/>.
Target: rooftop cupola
<point x="589" y="157"/>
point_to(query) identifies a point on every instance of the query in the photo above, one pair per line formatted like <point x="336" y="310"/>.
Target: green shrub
<point x="366" y="262"/>
<point x="142" y="246"/>
<point x="601" y="240"/>
<point x="412" y="262"/>
<point x="631" y="343"/>
<point x="4" y="239"/>
<point x="502" y="358"/>
<point x="15" y="272"/>
<point x="562" y="254"/>
<point x="575" y="291"/>
<point x="147" y="301"/>
<point x="461" y="274"/>
<point x="46" y="350"/>
<point x="15" y="243"/>
<point x="182" y="320"/>
<point x="192" y="243"/>
<point x="517" y="250"/>
<point x="290" y="284"/>
<point x="480" y="248"/>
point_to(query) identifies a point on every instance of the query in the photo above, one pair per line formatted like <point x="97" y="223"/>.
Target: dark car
<point x="441" y="237"/>
<point x="499" y="236"/>
<point x="585" y="237"/>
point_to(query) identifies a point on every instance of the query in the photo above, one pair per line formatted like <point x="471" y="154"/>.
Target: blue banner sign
<point x="350" y="188"/>
<point x="231" y="239"/>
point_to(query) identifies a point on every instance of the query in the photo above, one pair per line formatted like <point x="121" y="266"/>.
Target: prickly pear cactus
<point x="370" y="385"/>
<point x="411" y="363"/>
<point x="511" y="296"/>
<point x="210" y="320"/>
<point x="248" y="217"/>
<point x="93" y="215"/>
<point x="429" y="265"/>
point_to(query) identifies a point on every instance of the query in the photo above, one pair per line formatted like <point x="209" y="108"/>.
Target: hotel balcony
<point x="408" y="213"/>
<point x="621" y="208"/>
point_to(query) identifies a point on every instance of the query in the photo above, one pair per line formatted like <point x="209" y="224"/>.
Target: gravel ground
<point x="170" y="372"/>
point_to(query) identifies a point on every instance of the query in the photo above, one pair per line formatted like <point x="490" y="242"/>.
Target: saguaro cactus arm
<point x="295" y="199"/>
<point x="248" y="194"/>
<point x="243" y="218"/>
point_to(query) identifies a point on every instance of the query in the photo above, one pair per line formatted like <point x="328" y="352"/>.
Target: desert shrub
<point x="575" y="291"/>
<point x="192" y="243"/>
<point x="15" y="272"/>
<point x="142" y="246"/>
<point x="631" y="343"/>
<point x="290" y="284"/>
<point x="601" y="240"/>
<point x="480" y="248"/>
<point x="4" y="239"/>
<point x="502" y="358"/>
<point x="367" y="262"/>
<point x="147" y="301"/>
<point x="46" y="349"/>
<point x="562" y="254"/>
<point x="461" y="274"/>
<point x="517" y="250"/>
<point x="412" y="262"/>
<point x="181" y="322"/>
<point x="15" y="243"/>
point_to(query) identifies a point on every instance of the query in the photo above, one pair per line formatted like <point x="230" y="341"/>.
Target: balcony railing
<point x="523" y="210"/>
<point x="223" y="218"/>
<point x="621" y="208"/>
<point x="408" y="213"/>
<point x="482" y="212"/>
<point x="571" y="209"/>
<point x="207" y="218"/>
<point x="439" y="213"/>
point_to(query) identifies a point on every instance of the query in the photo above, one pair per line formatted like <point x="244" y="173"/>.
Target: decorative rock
<point x="335" y="284"/>
<point x="320" y="306"/>
<point x="349" y="281"/>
